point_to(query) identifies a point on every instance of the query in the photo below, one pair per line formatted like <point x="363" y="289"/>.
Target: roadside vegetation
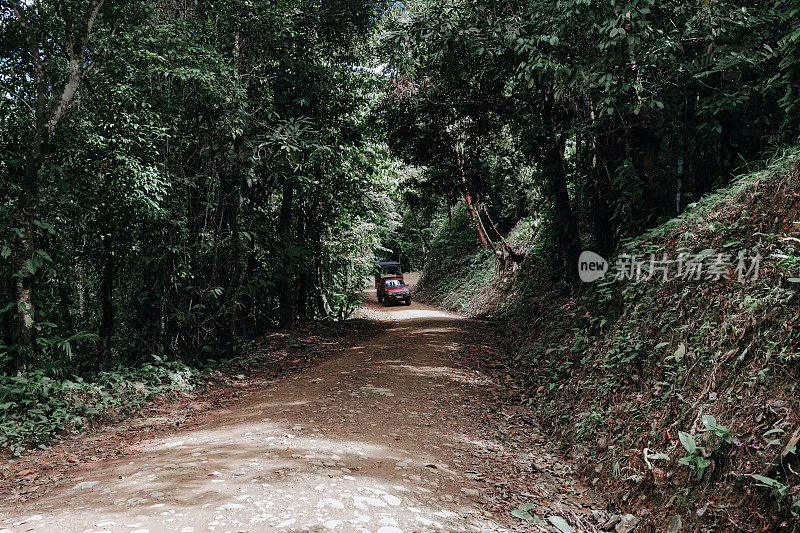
<point x="37" y="406"/>
<point x="176" y="180"/>
<point x="180" y="178"/>
<point x="683" y="394"/>
<point x="547" y="128"/>
<point x="677" y="397"/>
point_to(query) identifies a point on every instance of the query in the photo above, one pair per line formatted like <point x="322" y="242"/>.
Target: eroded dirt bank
<point x="401" y="433"/>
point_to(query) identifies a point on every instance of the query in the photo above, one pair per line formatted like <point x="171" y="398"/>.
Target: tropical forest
<point x="399" y="266"/>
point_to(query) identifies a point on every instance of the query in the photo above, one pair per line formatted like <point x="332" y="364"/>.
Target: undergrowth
<point x="676" y="396"/>
<point x="465" y="278"/>
<point x="36" y="407"/>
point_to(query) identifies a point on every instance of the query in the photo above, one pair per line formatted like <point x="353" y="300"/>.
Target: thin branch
<point x="68" y="35"/>
<point x="18" y="98"/>
<point x="86" y="27"/>
<point x="77" y="70"/>
<point x="36" y="59"/>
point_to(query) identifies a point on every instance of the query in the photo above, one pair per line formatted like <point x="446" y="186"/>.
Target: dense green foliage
<point x="213" y="176"/>
<point x="180" y="177"/>
<point x="177" y="179"/>
<point x="36" y="406"/>
<point x="697" y="376"/>
<point x="675" y="364"/>
<point x="599" y="118"/>
<point x="561" y="126"/>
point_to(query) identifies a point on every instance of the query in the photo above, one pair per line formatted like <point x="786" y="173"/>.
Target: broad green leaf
<point x="768" y="481"/>
<point x="688" y="441"/>
<point x="44" y="255"/>
<point x="560" y="524"/>
<point x="709" y="421"/>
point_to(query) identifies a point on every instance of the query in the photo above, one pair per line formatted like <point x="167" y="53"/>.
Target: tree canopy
<point x="599" y="118"/>
<point x="180" y="176"/>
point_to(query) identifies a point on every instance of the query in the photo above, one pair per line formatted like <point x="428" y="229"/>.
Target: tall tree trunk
<point x="64" y="302"/>
<point x="6" y="329"/>
<point x="107" y="279"/>
<point x="642" y="145"/>
<point x="567" y="231"/>
<point x="233" y="269"/>
<point x="302" y="281"/>
<point x="83" y="294"/>
<point x="24" y="247"/>
<point x="286" y="311"/>
<point x="512" y="254"/>
<point x="23" y="251"/>
<point x="425" y="244"/>
<point x="302" y="297"/>
<point x="599" y="203"/>
<point x="479" y="208"/>
<point x="106" y="300"/>
<point x="602" y="227"/>
<point x="323" y="307"/>
<point x="473" y="214"/>
<point x="566" y="228"/>
<point x="46" y="117"/>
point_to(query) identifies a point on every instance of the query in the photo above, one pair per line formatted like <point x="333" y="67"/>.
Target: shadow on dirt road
<point x="389" y="435"/>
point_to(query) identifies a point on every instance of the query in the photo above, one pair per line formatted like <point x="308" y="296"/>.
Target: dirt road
<point x="390" y="435"/>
